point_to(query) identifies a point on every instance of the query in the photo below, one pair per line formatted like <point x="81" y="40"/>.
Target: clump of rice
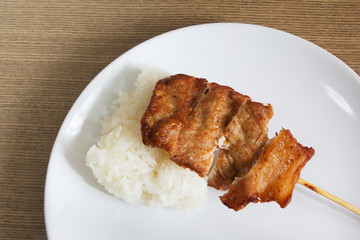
<point x="134" y="172"/>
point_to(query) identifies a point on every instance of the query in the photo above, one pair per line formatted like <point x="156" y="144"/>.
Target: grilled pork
<point x="246" y="135"/>
<point x="274" y="175"/>
<point x="220" y="133"/>
<point x="187" y="116"/>
<point x="172" y="101"/>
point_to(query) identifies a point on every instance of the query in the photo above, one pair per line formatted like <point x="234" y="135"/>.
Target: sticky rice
<point x="134" y="172"/>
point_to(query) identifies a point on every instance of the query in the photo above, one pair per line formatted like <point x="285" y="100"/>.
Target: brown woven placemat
<point x="50" y="50"/>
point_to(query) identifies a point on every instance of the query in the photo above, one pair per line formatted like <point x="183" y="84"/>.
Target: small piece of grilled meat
<point x="274" y="175"/>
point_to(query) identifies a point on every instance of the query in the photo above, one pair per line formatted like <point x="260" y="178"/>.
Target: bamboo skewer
<point x="329" y="196"/>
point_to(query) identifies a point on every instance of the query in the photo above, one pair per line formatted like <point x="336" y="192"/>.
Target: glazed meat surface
<point x="187" y="116"/>
<point x="245" y="135"/>
<point x="172" y="100"/>
<point x="274" y="175"/>
<point x="205" y="125"/>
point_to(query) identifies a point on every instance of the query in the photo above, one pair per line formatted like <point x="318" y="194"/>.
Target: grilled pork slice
<point x="246" y="135"/>
<point x="187" y="116"/>
<point x="204" y="127"/>
<point x="172" y="100"/>
<point x="274" y="175"/>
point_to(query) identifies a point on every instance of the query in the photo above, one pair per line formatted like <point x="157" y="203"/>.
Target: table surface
<point x="50" y="51"/>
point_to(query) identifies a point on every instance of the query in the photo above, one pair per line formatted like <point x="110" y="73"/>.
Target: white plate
<point x="313" y="93"/>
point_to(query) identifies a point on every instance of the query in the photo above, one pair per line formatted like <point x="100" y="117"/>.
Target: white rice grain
<point x="134" y="172"/>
